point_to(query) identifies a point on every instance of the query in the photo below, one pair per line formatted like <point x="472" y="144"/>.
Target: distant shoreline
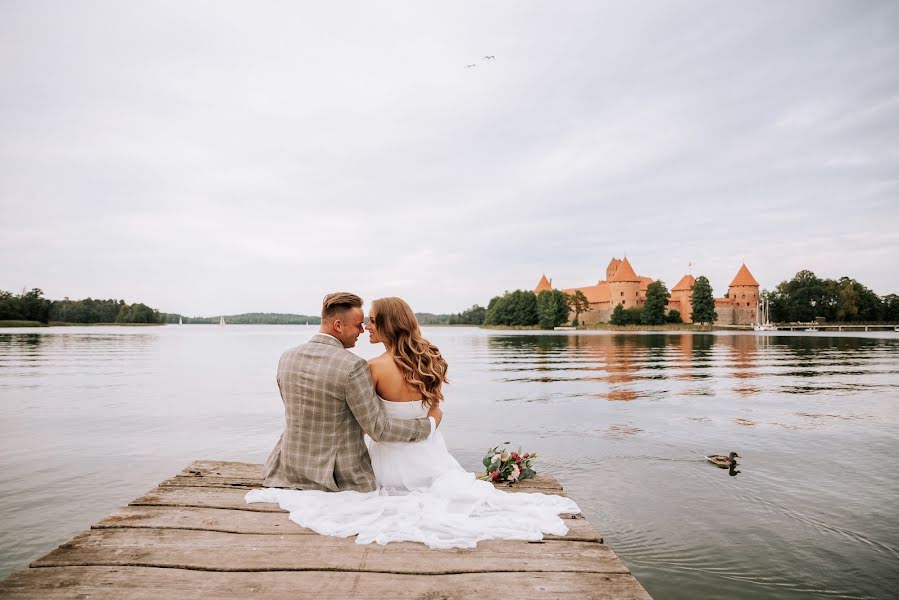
<point x="64" y="324"/>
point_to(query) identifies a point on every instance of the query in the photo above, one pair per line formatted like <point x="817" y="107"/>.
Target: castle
<point x="623" y="286"/>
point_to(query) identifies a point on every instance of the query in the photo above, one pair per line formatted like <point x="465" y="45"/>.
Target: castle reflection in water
<point x="622" y="367"/>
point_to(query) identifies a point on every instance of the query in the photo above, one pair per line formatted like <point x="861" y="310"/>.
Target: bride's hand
<point x="436" y="413"/>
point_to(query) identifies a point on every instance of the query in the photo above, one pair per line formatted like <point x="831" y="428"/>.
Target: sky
<point x="224" y="157"/>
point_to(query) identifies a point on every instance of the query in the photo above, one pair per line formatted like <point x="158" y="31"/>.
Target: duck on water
<point x="724" y="462"/>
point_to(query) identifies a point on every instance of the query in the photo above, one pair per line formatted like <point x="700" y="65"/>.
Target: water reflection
<point x="621" y="365"/>
<point x="20" y="341"/>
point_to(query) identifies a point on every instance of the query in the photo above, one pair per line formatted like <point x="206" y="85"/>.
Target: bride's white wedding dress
<point x="425" y="496"/>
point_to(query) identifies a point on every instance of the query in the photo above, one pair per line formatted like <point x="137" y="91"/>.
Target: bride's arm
<point x="367" y="409"/>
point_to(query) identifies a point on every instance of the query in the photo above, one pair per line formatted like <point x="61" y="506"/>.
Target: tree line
<point x="32" y="306"/>
<point x="246" y="319"/>
<point x="522" y="308"/>
<point x="806" y="297"/>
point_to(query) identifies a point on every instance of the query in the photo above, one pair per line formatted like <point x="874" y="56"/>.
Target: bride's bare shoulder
<point x="378" y="364"/>
<point x="377" y="361"/>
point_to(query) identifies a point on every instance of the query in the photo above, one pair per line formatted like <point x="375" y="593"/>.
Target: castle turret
<point x="743" y="291"/>
<point x="624" y="285"/>
<point x="613" y="266"/>
<point x="682" y="297"/>
<point x="543" y="285"/>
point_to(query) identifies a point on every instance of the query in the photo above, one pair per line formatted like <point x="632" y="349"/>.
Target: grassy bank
<point x="22" y="324"/>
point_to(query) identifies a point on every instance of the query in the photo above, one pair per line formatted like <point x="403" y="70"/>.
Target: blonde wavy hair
<point x="419" y="361"/>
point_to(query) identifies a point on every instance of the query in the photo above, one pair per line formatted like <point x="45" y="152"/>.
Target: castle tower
<point x="624" y="285"/>
<point x="743" y="291"/>
<point x="682" y="297"/>
<point x="613" y="266"/>
<point x="543" y="285"/>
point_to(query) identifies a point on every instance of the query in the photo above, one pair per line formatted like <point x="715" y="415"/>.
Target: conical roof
<point x="625" y="272"/>
<point x="543" y="285"/>
<point x="744" y="278"/>
<point x="686" y="283"/>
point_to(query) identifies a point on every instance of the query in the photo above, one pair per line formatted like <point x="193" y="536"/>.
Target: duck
<point x="725" y="462"/>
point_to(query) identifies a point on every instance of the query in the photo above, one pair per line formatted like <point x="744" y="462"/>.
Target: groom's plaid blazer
<point x="329" y="401"/>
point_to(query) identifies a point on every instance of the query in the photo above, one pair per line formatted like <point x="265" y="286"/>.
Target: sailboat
<point x="180" y="322"/>
<point x="221" y="321"/>
<point x="766" y="315"/>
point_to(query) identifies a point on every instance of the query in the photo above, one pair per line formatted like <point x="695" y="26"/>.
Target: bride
<point x="424" y="494"/>
<point x="408" y="378"/>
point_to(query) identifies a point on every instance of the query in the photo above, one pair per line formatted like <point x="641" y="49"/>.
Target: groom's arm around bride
<point x="329" y="403"/>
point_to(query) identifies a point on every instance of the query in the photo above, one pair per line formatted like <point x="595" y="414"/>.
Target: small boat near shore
<point x="763" y="318"/>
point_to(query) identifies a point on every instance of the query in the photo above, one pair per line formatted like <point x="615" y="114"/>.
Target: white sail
<point x="221" y="320"/>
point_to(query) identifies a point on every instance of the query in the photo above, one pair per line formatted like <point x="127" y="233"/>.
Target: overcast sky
<point x="222" y="157"/>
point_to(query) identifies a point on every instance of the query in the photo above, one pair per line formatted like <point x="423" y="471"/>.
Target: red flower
<point x="515" y="457"/>
<point x="527" y="454"/>
<point x="494" y="475"/>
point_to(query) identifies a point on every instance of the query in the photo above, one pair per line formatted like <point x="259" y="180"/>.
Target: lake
<point x="92" y="417"/>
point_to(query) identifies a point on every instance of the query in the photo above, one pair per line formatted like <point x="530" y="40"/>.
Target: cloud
<point x="206" y="158"/>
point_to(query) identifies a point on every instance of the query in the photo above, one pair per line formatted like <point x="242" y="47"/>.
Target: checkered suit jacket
<point x="329" y="401"/>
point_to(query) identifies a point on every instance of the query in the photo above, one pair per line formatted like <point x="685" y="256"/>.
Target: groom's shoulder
<point x="329" y="352"/>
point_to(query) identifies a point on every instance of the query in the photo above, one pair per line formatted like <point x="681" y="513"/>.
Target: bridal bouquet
<point x="502" y="464"/>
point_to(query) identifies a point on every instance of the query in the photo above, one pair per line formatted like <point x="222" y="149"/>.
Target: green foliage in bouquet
<point x="501" y="464"/>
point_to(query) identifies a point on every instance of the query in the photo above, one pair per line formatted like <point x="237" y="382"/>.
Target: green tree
<point x="626" y="316"/>
<point x="552" y="308"/>
<point x="703" y="302"/>
<point x="497" y="313"/>
<point x="847" y="300"/>
<point x="891" y="308"/>
<point x="523" y="308"/>
<point x="578" y="303"/>
<point x="517" y="309"/>
<point x="803" y="298"/>
<point x="33" y="306"/>
<point x="472" y="316"/>
<point x="138" y="313"/>
<point x="656" y="301"/>
<point x="618" y="315"/>
<point x="10" y="307"/>
<point x="674" y="316"/>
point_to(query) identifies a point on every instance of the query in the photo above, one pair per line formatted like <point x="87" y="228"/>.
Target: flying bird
<point x="489" y="58"/>
<point x="470" y="66"/>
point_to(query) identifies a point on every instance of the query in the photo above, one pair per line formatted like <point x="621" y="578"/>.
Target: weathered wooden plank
<point x="240" y="470"/>
<point x="235" y="521"/>
<point x="202" y="498"/>
<point x="205" y="473"/>
<point x="208" y="550"/>
<point x="136" y="583"/>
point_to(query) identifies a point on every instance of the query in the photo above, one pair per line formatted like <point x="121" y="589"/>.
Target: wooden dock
<point x="193" y="536"/>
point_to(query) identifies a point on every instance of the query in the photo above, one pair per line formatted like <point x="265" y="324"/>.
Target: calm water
<point x="90" y="418"/>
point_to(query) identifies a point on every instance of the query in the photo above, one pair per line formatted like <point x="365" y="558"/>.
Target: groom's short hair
<point x="339" y="302"/>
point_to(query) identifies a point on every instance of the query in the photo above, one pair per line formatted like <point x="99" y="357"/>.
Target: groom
<point x="329" y="401"/>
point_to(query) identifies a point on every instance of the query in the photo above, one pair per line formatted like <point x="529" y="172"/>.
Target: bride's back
<point x="389" y="381"/>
